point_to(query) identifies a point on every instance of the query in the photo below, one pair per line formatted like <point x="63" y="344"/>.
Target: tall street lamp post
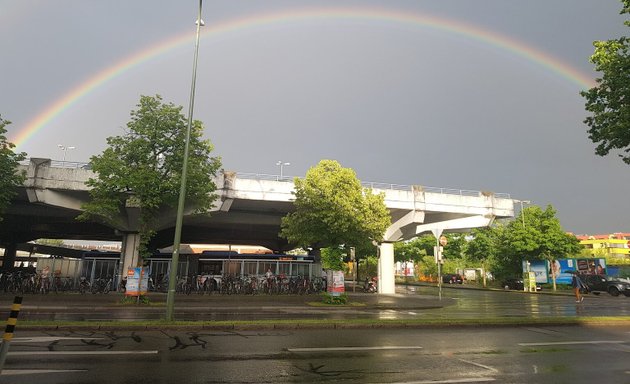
<point x="523" y="213"/>
<point x="65" y="150"/>
<point x="282" y="165"/>
<point x="172" y="281"/>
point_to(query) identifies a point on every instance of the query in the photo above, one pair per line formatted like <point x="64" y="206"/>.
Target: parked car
<point x="452" y="278"/>
<point x="517" y="285"/>
<point x="604" y="283"/>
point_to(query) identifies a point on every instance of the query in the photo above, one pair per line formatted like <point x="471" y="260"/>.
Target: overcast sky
<point x="475" y="95"/>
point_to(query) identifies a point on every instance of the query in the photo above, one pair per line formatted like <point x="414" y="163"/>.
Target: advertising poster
<point x="337" y="284"/>
<point x="591" y="266"/>
<point x="563" y="270"/>
<point x="137" y="281"/>
<point x="539" y="268"/>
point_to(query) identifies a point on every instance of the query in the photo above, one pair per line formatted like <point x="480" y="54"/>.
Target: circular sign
<point x="443" y="241"/>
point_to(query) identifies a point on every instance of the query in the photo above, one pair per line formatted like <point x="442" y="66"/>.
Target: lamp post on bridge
<point x="282" y="164"/>
<point x="523" y="213"/>
<point x="65" y="150"/>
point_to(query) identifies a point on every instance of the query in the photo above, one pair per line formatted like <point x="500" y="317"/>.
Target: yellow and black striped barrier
<point x="10" y="328"/>
<point x="12" y="321"/>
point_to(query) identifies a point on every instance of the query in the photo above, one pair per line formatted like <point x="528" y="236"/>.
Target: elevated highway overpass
<point x="248" y="211"/>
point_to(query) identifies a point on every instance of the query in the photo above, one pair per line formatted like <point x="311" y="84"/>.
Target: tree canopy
<point x="10" y="178"/>
<point x="609" y="101"/>
<point x="143" y="168"/>
<point x="332" y="209"/>
<point x="536" y="234"/>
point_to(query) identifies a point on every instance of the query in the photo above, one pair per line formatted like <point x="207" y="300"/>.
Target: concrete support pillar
<point x="386" y="282"/>
<point x="129" y="254"/>
<point x="8" y="259"/>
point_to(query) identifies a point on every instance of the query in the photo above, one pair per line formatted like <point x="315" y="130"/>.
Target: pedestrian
<point x="577" y="285"/>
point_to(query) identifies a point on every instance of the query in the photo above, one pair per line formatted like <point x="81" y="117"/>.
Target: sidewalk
<point x="359" y="300"/>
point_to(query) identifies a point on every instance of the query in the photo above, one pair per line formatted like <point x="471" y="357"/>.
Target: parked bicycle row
<point x="243" y="285"/>
<point x="43" y="283"/>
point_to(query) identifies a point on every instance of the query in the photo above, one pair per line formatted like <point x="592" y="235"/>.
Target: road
<point x="472" y="303"/>
<point x="409" y="303"/>
<point x="559" y="354"/>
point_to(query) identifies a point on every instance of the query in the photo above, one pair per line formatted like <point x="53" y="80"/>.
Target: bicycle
<point x="101" y="285"/>
<point x="84" y="285"/>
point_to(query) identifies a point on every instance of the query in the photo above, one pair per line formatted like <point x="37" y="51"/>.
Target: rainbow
<point x="472" y="32"/>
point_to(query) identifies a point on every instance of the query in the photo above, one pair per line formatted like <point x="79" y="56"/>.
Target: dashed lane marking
<point x="48" y="339"/>
<point x="341" y="349"/>
<point x="12" y="372"/>
<point x="54" y="353"/>
<point x="451" y="381"/>
<point x="574" y="343"/>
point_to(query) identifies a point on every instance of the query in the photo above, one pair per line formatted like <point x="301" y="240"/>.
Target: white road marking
<point x="48" y="339"/>
<point x="34" y="371"/>
<point x="574" y="343"/>
<point x="480" y="365"/>
<point x="332" y="349"/>
<point x="451" y="381"/>
<point x="53" y="353"/>
<point x="542" y="330"/>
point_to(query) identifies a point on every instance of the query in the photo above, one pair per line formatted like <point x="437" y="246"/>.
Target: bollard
<point x="8" y="331"/>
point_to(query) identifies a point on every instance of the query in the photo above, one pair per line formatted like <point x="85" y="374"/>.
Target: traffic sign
<point x="443" y="240"/>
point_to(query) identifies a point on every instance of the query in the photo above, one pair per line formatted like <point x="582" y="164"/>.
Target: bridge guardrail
<point x="376" y="185"/>
<point x="263" y="176"/>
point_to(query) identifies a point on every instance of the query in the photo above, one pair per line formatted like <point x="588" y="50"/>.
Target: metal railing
<point x="289" y="179"/>
<point x="377" y="185"/>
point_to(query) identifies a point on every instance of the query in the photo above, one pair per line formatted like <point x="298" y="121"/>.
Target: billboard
<point x="539" y="268"/>
<point x="563" y="269"/>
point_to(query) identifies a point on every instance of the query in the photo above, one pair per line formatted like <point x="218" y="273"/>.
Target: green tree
<point x="10" y="178"/>
<point x="482" y="248"/>
<point x="454" y="249"/>
<point x="332" y="209"/>
<point x="415" y="249"/>
<point x="608" y="101"/>
<point x="332" y="258"/>
<point x="540" y="238"/>
<point x="143" y="167"/>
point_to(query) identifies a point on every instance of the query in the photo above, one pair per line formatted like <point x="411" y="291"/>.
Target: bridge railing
<point x="376" y="185"/>
<point x="63" y="164"/>
<point x="263" y="176"/>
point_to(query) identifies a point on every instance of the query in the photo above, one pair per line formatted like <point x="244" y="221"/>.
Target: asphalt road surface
<point x="559" y="354"/>
<point x="409" y="303"/>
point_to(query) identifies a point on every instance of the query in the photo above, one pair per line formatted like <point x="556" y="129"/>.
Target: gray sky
<point x="404" y="92"/>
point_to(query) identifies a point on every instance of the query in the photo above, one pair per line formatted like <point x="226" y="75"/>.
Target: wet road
<point x="408" y="303"/>
<point x="542" y="355"/>
<point x="481" y="303"/>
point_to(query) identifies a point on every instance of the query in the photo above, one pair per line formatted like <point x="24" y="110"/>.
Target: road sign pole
<point x="437" y="232"/>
